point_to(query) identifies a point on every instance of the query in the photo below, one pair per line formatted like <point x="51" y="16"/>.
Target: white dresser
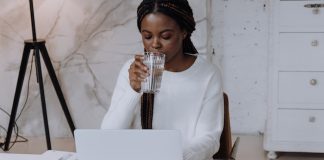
<point x="295" y="121"/>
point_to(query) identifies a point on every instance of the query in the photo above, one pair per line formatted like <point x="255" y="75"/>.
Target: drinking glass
<point x="155" y="63"/>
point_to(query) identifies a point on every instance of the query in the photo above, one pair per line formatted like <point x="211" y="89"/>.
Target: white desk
<point x="11" y="156"/>
<point x="48" y="155"/>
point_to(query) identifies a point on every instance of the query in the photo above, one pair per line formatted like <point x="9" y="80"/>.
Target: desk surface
<point x="37" y="145"/>
<point x="250" y="148"/>
<point x="48" y="155"/>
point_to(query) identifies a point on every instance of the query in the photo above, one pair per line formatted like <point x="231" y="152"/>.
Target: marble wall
<point x="88" y="41"/>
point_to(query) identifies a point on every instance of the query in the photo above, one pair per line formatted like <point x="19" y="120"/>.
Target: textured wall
<point x="88" y="41"/>
<point x="239" y="34"/>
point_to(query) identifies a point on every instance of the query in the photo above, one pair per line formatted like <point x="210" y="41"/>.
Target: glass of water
<point x="155" y="63"/>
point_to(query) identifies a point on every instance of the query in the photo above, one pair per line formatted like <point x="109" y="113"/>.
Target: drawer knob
<point x="313" y="82"/>
<point x="314" y="43"/>
<point x="316" y="11"/>
<point x="315" y="7"/>
<point x="312" y="119"/>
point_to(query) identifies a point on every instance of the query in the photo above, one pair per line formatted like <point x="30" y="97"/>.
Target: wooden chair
<point x="226" y="150"/>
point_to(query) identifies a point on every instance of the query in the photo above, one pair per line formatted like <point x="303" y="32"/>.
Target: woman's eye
<point x="147" y="37"/>
<point x="166" y="36"/>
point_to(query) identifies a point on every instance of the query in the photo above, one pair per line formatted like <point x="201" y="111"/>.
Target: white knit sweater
<point x="190" y="101"/>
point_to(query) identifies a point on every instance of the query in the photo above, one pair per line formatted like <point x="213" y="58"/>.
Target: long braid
<point x="181" y="12"/>
<point x="147" y="105"/>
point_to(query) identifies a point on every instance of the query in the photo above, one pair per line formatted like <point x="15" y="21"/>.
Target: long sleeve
<point x="209" y="125"/>
<point x="190" y="101"/>
<point x="122" y="109"/>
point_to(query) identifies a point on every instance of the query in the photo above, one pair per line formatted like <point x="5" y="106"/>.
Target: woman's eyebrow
<point x="145" y="31"/>
<point x="166" y="30"/>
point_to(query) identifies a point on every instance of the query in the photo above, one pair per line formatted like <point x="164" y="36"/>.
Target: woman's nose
<point x="156" y="44"/>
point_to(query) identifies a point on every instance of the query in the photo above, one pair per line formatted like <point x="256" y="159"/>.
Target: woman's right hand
<point x="137" y="73"/>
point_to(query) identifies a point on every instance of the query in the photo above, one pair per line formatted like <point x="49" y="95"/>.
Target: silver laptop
<point x="128" y="144"/>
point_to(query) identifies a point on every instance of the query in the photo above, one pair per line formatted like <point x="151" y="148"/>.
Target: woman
<point x="190" y="98"/>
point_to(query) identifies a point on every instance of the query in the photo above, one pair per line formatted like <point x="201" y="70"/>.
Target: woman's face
<point x="162" y="33"/>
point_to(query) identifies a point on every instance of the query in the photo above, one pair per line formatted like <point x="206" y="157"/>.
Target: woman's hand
<point x="137" y="73"/>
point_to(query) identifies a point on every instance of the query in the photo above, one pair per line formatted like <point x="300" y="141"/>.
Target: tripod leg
<point x="42" y="94"/>
<point x="20" y="81"/>
<point x="57" y="87"/>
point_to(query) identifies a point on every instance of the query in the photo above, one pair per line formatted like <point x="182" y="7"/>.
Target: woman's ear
<point x="185" y="35"/>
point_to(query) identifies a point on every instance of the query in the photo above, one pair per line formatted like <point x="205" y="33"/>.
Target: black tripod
<point x="39" y="47"/>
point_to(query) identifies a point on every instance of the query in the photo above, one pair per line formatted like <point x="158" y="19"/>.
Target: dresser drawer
<point x="301" y="49"/>
<point x="296" y="14"/>
<point x="301" y="88"/>
<point x="299" y="125"/>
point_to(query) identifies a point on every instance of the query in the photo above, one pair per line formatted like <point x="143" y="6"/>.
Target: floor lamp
<point x="38" y="46"/>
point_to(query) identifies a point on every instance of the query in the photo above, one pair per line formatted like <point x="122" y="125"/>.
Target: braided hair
<point x="181" y="12"/>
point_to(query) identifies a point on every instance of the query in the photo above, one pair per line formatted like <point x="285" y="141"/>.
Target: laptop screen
<point x="128" y="144"/>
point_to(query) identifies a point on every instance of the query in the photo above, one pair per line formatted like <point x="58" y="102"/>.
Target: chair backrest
<point x="225" y="147"/>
